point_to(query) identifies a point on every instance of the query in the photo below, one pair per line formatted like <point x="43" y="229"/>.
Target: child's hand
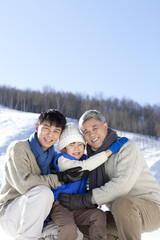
<point x="72" y="175"/>
<point x="115" y="147"/>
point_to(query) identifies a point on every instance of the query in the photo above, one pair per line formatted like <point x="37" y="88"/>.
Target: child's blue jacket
<point x="76" y="187"/>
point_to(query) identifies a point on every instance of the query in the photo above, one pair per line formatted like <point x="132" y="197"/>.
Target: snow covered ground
<point x="16" y="125"/>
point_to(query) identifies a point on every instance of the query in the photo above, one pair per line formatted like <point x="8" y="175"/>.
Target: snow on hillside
<point x="16" y="125"/>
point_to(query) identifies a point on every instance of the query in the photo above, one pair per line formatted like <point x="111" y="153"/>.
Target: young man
<point x="26" y="197"/>
<point x="126" y="185"/>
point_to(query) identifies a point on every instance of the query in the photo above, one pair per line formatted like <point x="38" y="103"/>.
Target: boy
<point x="72" y="146"/>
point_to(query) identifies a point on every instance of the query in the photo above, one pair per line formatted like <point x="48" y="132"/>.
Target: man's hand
<point x="72" y="175"/>
<point x="76" y="201"/>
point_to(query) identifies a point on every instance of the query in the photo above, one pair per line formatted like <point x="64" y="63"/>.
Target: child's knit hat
<point x="69" y="135"/>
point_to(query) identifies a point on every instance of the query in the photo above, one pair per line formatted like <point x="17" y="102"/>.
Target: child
<point x="72" y="147"/>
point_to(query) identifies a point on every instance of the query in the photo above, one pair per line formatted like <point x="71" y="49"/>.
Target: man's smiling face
<point x="94" y="132"/>
<point x="47" y="134"/>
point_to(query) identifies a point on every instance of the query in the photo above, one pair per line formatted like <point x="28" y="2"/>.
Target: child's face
<point x="75" y="149"/>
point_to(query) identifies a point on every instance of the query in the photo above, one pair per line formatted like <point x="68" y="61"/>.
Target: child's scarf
<point x="43" y="158"/>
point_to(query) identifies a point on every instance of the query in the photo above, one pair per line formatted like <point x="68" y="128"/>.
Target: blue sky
<point x="103" y="48"/>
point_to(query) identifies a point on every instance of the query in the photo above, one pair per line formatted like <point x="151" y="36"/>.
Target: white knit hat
<point x="69" y="135"/>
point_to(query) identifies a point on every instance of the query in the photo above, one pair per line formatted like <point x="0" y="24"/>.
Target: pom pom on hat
<point x="69" y="135"/>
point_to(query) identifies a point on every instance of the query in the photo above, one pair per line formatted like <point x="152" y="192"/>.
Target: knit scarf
<point x="98" y="177"/>
<point x="43" y="158"/>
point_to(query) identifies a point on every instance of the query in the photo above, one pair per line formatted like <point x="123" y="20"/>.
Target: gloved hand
<point x="115" y="147"/>
<point x="76" y="201"/>
<point x="72" y="175"/>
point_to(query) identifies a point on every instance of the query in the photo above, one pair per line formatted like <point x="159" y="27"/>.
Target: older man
<point x="124" y="182"/>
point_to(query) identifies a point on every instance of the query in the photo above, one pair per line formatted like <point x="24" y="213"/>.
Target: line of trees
<point x="124" y="114"/>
